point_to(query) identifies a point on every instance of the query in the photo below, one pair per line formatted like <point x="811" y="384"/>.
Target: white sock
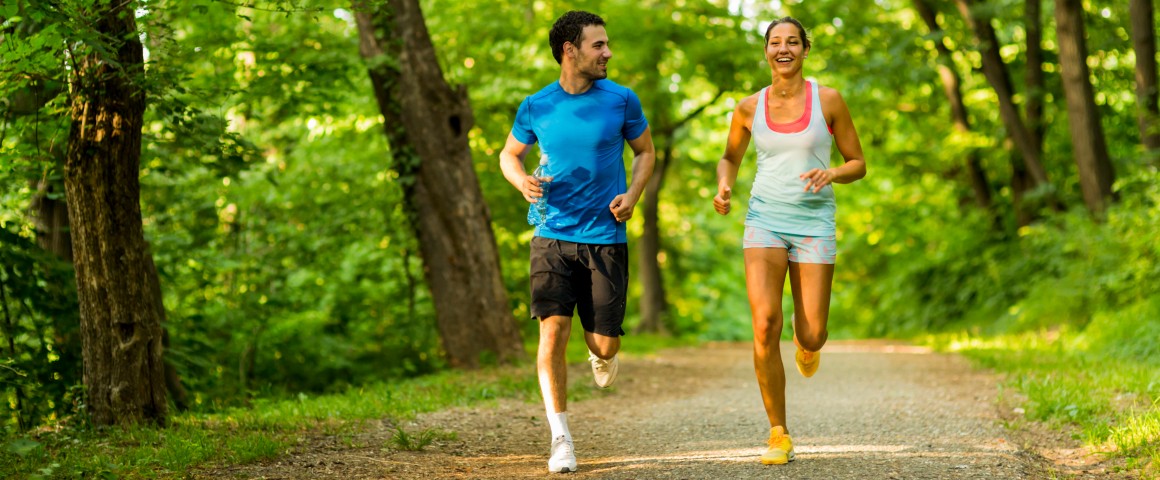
<point x="559" y="424"/>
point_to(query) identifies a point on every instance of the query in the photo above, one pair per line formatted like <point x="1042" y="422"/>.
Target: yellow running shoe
<point x="807" y="362"/>
<point x="780" y="448"/>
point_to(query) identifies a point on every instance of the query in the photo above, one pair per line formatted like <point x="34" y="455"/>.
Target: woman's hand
<point x="817" y="179"/>
<point x="721" y="201"/>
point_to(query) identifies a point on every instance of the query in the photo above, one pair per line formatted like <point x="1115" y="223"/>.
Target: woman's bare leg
<point x="765" y="270"/>
<point x="811" y="284"/>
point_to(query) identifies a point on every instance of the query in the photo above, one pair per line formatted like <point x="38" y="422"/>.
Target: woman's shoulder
<point x="748" y="105"/>
<point x="828" y="94"/>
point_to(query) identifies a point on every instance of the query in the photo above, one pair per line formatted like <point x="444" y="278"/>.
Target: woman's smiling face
<point x="784" y="49"/>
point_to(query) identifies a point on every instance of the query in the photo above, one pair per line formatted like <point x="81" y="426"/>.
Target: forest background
<point x="292" y="201"/>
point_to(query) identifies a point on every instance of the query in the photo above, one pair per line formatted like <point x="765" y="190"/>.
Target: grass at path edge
<point x="1108" y="399"/>
<point x="273" y="427"/>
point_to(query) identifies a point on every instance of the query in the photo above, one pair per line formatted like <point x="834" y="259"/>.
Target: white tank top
<point x="778" y="202"/>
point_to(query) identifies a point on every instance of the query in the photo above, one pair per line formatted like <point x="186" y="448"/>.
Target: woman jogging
<point x="789" y="227"/>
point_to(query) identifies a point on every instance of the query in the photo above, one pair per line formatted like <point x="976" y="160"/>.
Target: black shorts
<point x="592" y="279"/>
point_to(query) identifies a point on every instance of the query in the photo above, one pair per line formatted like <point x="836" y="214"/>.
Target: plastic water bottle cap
<point x="543" y="159"/>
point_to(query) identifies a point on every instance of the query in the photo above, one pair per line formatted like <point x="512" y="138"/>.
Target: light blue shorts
<point x="801" y="249"/>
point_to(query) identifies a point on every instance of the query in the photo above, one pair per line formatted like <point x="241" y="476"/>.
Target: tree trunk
<point x="426" y="123"/>
<point x="1087" y="133"/>
<point x="1036" y="85"/>
<point x="996" y="73"/>
<point x="653" y="301"/>
<point x="653" y="298"/>
<point x="120" y="325"/>
<point x="952" y="87"/>
<point x="50" y="218"/>
<point x="1021" y="186"/>
<point x="173" y="384"/>
<point x="1147" y="92"/>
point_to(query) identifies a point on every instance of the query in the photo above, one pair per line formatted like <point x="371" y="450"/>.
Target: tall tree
<point x="653" y="298"/>
<point x="1035" y="87"/>
<point x="426" y="123"/>
<point x="996" y="73"/>
<point x="1087" y="133"/>
<point x="653" y="302"/>
<point x="953" y="90"/>
<point x="1147" y="91"/>
<point x="120" y="324"/>
<point x="1033" y="80"/>
<point x="669" y="34"/>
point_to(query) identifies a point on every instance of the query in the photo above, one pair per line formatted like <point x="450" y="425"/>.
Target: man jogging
<point x="579" y="254"/>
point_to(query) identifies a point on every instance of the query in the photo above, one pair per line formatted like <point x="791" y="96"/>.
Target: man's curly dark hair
<point x="568" y="28"/>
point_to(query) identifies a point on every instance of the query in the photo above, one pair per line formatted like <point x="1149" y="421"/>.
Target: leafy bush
<point x="1065" y="270"/>
<point x="40" y="369"/>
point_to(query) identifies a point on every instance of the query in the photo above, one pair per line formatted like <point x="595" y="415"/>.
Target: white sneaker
<point x="604" y="371"/>
<point x="563" y="459"/>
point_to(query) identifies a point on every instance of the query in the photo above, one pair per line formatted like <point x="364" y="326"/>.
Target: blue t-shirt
<point x="583" y="136"/>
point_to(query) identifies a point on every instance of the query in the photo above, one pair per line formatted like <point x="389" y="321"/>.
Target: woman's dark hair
<point x="801" y="30"/>
<point x="568" y="28"/>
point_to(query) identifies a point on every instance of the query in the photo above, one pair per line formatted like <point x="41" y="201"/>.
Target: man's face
<point x="590" y="53"/>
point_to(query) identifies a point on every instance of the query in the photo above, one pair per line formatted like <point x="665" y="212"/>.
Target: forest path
<point x="875" y="409"/>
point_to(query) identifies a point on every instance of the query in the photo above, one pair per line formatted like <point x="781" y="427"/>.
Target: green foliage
<point x="295" y="272"/>
<point x="273" y="222"/>
<point x="1066" y="270"/>
<point x="1077" y="335"/>
<point x="38" y="316"/>
<point x="1125" y="332"/>
<point x="293" y="269"/>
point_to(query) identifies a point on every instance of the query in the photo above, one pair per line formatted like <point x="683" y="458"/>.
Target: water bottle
<point x="538" y="212"/>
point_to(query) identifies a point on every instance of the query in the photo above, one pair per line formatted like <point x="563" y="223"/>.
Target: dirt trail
<point x="874" y="410"/>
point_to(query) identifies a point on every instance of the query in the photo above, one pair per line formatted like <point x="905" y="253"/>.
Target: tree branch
<point x="696" y="112"/>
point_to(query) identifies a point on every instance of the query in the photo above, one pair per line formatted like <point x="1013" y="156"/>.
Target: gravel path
<point x="874" y="410"/>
